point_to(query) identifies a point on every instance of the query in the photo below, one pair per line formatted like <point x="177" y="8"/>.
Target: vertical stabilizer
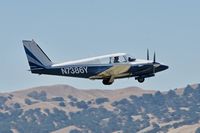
<point x="37" y="59"/>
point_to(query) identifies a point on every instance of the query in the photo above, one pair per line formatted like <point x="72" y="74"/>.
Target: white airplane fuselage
<point x="107" y="67"/>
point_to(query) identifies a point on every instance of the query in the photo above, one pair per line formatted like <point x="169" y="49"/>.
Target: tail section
<point x="37" y="59"/>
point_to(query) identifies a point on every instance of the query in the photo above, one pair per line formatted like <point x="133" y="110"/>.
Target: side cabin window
<point x="118" y="59"/>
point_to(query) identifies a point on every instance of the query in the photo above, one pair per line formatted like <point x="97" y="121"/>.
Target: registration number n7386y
<point x="74" y="70"/>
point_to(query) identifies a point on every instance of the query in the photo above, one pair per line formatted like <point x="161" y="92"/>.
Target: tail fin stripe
<point x="30" y="59"/>
<point x="33" y="65"/>
<point x="31" y="55"/>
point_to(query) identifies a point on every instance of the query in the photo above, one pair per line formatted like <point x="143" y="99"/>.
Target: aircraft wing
<point x="114" y="71"/>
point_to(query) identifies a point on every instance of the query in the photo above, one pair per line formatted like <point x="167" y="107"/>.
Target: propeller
<point x="154" y="63"/>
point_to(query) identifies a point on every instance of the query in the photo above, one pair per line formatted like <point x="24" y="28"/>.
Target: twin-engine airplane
<point x="106" y="67"/>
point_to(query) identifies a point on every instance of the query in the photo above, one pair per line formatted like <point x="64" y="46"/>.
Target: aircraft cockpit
<point x="122" y="59"/>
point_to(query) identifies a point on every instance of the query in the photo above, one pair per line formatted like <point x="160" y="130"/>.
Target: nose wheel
<point x="140" y="79"/>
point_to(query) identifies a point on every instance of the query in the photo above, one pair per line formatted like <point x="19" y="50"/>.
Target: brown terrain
<point x="89" y="95"/>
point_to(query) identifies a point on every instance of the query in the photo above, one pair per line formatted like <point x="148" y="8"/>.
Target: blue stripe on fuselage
<point x="79" y="71"/>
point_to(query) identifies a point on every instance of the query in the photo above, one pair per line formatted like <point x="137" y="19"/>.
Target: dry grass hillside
<point x="63" y="108"/>
<point x="66" y="90"/>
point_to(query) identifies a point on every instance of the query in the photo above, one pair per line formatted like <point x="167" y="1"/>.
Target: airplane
<point x="106" y="68"/>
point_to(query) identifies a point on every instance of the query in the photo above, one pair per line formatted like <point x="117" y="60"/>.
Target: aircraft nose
<point x="164" y="67"/>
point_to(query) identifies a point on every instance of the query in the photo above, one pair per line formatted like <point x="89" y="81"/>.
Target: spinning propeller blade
<point x="147" y="54"/>
<point x="154" y="57"/>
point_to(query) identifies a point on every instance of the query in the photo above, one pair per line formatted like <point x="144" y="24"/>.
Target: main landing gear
<point x="140" y="79"/>
<point x="107" y="81"/>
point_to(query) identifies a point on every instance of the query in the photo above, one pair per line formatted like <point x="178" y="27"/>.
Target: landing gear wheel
<point x="140" y="80"/>
<point x="106" y="82"/>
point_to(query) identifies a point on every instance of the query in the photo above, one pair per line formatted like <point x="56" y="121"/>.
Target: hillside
<point x="62" y="108"/>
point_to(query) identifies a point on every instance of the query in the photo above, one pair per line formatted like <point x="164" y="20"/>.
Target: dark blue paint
<point x="31" y="55"/>
<point x="145" y="71"/>
<point x="92" y="71"/>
